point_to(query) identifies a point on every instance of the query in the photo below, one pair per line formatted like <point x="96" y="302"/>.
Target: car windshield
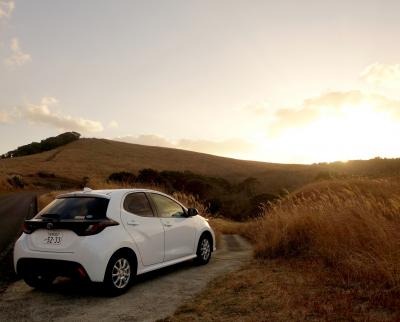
<point x="79" y="208"/>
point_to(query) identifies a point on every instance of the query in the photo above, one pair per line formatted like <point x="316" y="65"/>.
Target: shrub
<point x="16" y="181"/>
<point x="45" y="174"/>
<point x="122" y="176"/>
<point x="149" y="176"/>
<point x="214" y="205"/>
<point x="197" y="187"/>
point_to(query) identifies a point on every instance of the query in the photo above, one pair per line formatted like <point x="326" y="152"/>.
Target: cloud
<point x="18" y="57"/>
<point x="331" y="104"/>
<point x="6" y="8"/>
<point x="4" y="117"/>
<point x="382" y="74"/>
<point x="113" y="124"/>
<point x="226" y="147"/>
<point x="42" y="114"/>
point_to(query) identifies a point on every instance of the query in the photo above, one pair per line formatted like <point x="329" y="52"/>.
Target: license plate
<point x="53" y="238"/>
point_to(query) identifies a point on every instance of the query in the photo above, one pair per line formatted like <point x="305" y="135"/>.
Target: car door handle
<point x="167" y="224"/>
<point x="132" y="223"/>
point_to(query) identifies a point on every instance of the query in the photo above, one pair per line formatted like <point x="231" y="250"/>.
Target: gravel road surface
<point x="154" y="295"/>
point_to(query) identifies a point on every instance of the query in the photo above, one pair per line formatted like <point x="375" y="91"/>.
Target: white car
<point x="110" y="236"/>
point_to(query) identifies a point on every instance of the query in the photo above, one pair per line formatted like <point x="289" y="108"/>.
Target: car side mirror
<point x="192" y="212"/>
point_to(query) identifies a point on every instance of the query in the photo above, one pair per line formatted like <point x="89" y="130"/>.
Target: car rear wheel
<point x="39" y="281"/>
<point x="120" y="273"/>
<point x="204" y="249"/>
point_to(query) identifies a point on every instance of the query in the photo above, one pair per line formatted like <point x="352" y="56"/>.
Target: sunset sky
<point x="277" y="81"/>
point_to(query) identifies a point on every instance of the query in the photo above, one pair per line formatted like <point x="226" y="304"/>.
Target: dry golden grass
<point x="330" y="251"/>
<point x="352" y="226"/>
<point x="98" y="158"/>
<point x="286" y="290"/>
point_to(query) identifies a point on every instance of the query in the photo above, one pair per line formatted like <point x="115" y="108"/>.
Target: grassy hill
<point x="98" y="158"/>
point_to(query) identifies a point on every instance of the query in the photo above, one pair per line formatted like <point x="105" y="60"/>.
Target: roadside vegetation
<point x="236" y="201"/>
<point x="351" y="226"/>
<point x="330" y="251"/>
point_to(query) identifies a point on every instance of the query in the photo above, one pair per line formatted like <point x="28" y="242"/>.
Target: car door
<point x="180" y="231"/>
<point x="144" y="227"/>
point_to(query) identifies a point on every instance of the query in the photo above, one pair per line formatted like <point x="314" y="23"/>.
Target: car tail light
<point x="97" y="227"/>
<point x="26" y="228"/>
<point x="81" y="272"/>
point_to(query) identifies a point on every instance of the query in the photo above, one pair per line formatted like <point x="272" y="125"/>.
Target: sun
<point x="352" y="132"/>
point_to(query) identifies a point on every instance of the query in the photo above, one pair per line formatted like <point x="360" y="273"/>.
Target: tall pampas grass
<point x="352" y="226"/>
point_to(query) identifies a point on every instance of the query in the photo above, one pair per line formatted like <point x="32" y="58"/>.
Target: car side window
<point x="166" y="207"/>
<point x="138" y="204"/>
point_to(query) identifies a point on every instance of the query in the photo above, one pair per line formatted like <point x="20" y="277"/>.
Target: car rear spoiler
<point x="83" y="194"/>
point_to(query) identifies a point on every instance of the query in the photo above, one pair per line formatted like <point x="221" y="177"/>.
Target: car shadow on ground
<point x="78" y="288"/>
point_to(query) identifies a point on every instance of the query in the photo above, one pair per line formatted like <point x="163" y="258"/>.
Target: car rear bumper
<point x="92" y="262"/>
<point x="55" y="267"/>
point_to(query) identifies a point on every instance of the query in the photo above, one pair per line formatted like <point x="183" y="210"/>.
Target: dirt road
<point x="14" y="208"/>
<point x="154" y="296"/>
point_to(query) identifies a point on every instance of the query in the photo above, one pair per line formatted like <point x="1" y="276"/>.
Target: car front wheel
<point x="203" y="250"/>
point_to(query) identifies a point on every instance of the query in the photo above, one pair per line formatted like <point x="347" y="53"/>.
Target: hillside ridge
<point x="98" y="158"/>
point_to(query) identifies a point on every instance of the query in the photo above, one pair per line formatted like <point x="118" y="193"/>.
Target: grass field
<point x="98" y="158"/>
<point x="351" y="226"/>
<point x="330" y="251"/>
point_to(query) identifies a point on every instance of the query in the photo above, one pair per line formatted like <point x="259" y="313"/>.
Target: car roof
<point x="105" y="193"/>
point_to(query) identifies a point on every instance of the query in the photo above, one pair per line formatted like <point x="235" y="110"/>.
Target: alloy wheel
<point x="121" y="273"/>
<point x="205" y="249"/>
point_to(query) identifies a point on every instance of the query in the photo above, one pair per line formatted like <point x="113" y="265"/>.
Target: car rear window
<point x="79" y="208"/>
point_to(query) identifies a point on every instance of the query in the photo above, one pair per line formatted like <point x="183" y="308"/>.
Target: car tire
<point x="39" y="281"/>
<point x="120" y="273"/>
<point x="204" y="249"/>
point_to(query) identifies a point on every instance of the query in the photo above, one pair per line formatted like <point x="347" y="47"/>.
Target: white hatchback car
<point x="110" y="236"/>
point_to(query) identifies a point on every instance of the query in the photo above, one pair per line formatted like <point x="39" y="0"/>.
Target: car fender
<point x="203" y="230"/>
<point x="126" y="243"/>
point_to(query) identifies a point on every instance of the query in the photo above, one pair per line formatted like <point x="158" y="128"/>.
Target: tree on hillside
<point x="44" y="145"/>
<point x="248" y="185"/>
